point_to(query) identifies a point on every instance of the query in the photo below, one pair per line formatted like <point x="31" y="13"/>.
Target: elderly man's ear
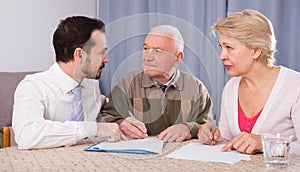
<point x="179" y="56"/>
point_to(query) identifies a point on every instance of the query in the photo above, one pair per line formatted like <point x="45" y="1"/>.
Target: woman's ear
<point x="256" y="53"/>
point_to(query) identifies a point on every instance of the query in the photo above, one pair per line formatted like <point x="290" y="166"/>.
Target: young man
<point x="59" y="106"/>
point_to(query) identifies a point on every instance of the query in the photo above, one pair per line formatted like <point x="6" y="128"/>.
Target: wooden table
<point x="74" y="158"/>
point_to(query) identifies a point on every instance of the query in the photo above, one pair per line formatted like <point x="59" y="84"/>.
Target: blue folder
<point x="139" y="146"/>
<point x="95" y="148"/>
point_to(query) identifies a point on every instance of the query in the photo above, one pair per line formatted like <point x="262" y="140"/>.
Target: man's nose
<point x="105" y="59"/>
<point x="149" y="55"/>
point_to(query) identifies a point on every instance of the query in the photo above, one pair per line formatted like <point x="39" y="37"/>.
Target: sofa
<point x="9" y="82"/>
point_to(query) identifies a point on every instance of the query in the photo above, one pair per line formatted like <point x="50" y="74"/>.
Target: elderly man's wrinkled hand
<point x="175" y="133"/>
<point x="133" y="128"/>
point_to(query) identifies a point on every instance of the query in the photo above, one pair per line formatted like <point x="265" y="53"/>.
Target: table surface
<point x="74" y="158"/>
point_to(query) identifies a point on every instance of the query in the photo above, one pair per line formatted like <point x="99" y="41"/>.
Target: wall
<point x="27" y="28"/>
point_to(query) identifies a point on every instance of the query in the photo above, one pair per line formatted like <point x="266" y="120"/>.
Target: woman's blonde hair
<point x="251" y="28"/>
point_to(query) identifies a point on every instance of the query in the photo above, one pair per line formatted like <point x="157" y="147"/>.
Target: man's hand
<point x="206" y="136"/>
<point x="133" y="128"/>
<point x="110" y="131"/>
<point x="177" y="132"/>
<point x="245" y="143"/>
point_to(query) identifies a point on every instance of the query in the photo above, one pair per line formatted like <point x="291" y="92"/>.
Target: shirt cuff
<point x="88" y="128"/>
<point x="194" y="127"/>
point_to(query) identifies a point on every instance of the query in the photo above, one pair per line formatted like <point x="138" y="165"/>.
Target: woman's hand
<point x="245" y="143"/>
<point x="206" y="136"/>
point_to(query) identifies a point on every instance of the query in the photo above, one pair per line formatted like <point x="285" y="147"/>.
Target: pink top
<point x="246" y="124"/>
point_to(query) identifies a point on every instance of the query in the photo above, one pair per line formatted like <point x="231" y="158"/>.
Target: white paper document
<point x="140" y="146"/>
<point x="197" y="151"/>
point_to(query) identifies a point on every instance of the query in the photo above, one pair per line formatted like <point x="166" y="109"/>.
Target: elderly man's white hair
<point x="173" y="32"/>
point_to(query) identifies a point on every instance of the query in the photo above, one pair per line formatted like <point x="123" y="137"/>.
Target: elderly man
<point x="160" y="100"/>
<point x="59" y="106"/>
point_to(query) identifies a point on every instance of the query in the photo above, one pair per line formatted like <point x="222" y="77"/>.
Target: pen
<point x="213" y="128"/>
<point x="130" y="113"/>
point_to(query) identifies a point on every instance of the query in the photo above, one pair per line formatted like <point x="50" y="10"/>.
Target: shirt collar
<point x="66" y="82"/>
<point x="176" y="81"/>
<point x="168" y="83"/>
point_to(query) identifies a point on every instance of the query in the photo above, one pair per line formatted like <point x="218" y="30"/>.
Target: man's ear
<point x="78" y="54"/>
<point x="179" y="57"/>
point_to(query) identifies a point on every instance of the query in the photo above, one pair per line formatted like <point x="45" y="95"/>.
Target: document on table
<point x="197" y="151"/>
<point x="138" y="146"/>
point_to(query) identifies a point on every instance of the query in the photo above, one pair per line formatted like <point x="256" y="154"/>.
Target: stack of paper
<point x="197" y="151"/>
<point x="139" y="146"/>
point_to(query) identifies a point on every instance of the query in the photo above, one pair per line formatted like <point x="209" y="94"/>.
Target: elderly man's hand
<point x="177" y="132"/>
<point x="133" y="128"/>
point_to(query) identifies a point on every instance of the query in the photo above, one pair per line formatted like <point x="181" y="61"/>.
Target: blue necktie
<point x="77" y="110"/>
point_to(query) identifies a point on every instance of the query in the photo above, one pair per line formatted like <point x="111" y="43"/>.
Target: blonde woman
<point x="260" y="97"/>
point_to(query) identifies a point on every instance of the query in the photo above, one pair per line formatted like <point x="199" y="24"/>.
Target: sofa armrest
<point x="8" y="137"/>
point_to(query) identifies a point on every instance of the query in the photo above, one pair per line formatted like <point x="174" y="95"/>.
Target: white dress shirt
<point x="42" y="110"/>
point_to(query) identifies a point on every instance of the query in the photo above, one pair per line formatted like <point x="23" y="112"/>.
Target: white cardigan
<point x="281" y="113"/>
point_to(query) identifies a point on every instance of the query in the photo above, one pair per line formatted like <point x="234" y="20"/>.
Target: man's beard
<point x="98" y="75"/>
<point x="86" y="70"/>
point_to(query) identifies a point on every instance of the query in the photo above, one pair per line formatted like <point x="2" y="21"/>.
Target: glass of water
<point x="276" y="149"/>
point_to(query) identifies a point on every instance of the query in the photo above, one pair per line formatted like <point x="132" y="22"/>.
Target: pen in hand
<point x="131" y="115"/>
<point x="212" y="128"/>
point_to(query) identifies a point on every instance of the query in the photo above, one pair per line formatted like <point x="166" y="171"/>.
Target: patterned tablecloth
<point x="74" y="158"/>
